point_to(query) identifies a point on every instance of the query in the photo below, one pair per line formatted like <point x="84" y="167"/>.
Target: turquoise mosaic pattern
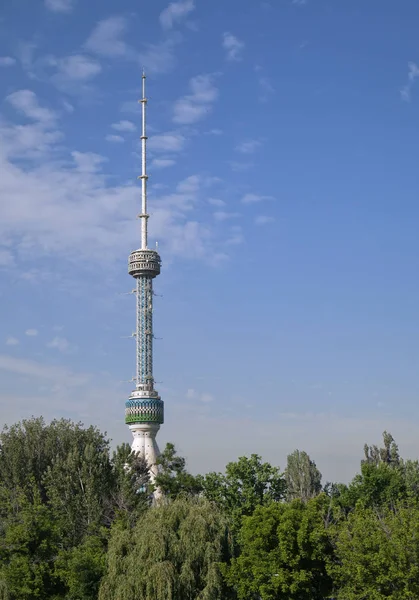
<point x="148" y="410"/>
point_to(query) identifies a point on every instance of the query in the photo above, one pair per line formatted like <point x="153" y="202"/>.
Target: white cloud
<point x="216" y="202"/>
<point x="253" y="198"/>
<point x="26" y="102"/>
<point x="114" y="138"/>
<point x="31" y="332"/>
<point x="204" y="397"/>
<point x="264" y="220"/>
<point x="413" y="74"/>
<point x="7" y="61"/>
<point x="33" y="369"/>
<point x="60" y="343"/>
<point x="195" y="106"/>
<point x="158" y="58"/>
<point x="167" y="142"/>
<point x="78" y="67"/>
<point x="233" y="46"/>
<point x="248" y="146"/>
<point x="299" y="2"/>
<point x="236" y="236"/>
<point x="176" y="12"/>
<point x="68" y="107"/>
<point x="63" y="6"/>
<point x="124" y="126"/>
<point x="12" y="341"/>
<point x="162" y="163"/>
<point x="214" y="132"/>
<point x="105" y="39"/>
<point x="221" y="215"/>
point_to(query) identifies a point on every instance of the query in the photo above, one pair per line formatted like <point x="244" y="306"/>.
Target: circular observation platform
<point x="144" y="410"/>
<point x="144" y="262"/>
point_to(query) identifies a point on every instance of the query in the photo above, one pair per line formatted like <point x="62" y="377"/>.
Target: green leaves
<point x="172" y="554"/>
<point x="284" y="549"/>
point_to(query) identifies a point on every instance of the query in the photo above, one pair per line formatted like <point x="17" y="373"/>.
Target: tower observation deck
<point x="144" y="410"/>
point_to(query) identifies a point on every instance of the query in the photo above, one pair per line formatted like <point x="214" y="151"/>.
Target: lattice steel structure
<point x="144" y="410"/>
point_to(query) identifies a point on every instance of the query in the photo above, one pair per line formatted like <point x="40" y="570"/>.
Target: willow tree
<point x="173" y="553"/>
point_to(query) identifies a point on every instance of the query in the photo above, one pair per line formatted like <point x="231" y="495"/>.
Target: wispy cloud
<point x="193" y="107"/>
<point x="263" y="220"/>
<point x="31" y="332"/>
<point x="221" y="215"/>
<point x="61" y="344"/>
<point x="124" y="126"/>
<point x="248" y="146"/>
<point x="114" y="138"/>
<point x="236" y="236"/>
<point x="233" y="46"/>
<point x="26" y="102"/>
<point x="216" y="202"/>
<point x="78" y="67"/>
<point x="106" y="38"/>
<point x="413" y="74"/>
<point x="7" y="61"/>
<point x="205" y="397"/>
<point x="299" y="2"/>
<point x="34" y="369"/>
<point x="255" y="198"/>
<point x="171" y="141"/>
<point x="175" y="13"/>
<point x="162" y="163"/>
<point x="160" y="57"/>
<point x="60" y="6"/>
<point x="12" y="341"/>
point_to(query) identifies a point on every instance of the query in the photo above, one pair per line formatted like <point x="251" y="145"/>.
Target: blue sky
<point x="283" y="155"/>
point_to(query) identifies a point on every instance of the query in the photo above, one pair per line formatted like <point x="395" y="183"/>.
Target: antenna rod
<point x="143" y="176"/>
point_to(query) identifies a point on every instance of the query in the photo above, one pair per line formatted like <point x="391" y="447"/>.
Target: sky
<point x="283" y="155"/>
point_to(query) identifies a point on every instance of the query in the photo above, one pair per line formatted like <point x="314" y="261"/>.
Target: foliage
<point x="173" y="478"/>
<point x="302" y="477"/>
<point x="82" y="568"/>
<point x="28" y="548"/>
<point x="246" y="484"/>
<point x="377" y="553"/>
<point x="172" y="554"/>
<point x="284" y="548"/>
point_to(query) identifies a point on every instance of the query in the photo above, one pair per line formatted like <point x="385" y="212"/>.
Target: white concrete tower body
<point x="144" y="411"/>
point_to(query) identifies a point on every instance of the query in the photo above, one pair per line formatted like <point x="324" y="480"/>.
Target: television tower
<point x="144" y="411"/>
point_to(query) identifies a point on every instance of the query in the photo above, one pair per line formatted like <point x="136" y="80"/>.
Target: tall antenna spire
<point x="144" y="410"/>
<point x="144" y="177"/>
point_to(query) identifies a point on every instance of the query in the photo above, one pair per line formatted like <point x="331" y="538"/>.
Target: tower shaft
<point x="144" y="410"/>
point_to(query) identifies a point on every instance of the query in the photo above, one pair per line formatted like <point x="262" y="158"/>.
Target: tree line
<point x="78" y="522"/>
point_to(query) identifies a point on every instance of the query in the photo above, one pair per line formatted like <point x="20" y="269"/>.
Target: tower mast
<point x="144" y="410"/>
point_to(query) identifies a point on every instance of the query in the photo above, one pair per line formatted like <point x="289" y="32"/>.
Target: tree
<point x="388" y="454"/>
<point x="82" y="568"/>
<point x="173" y="479"/>
<point x="246" y="484"/>
<point x="173" y="553"/>
<point x="132" y="491"/>
<point x="284" y="552"/>
<point x="377" y="552"/>
<point x="28" y="549"/>
<point x="302" y="477"/>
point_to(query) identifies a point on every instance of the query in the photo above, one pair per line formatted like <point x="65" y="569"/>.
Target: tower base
<point x="145" y="443"/>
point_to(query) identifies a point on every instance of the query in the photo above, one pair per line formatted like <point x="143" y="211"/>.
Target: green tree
<point x="173" y="479"/>
<point x="173" y="553"/>
<point x="82" y="568"/>
<point x="388" y="454"/>
<point x="284" y="552"/>
<point x="246" y="484"/>
<point x="28" y="548"/>
<point x="132" y="490"/>
<point x="302" y="477"/>
<point x="377" y="551"/>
